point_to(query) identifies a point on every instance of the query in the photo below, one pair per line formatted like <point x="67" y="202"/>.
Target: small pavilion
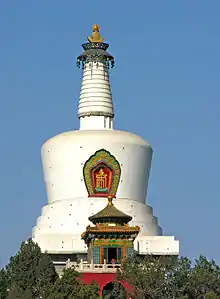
<point x="110" y="239"/>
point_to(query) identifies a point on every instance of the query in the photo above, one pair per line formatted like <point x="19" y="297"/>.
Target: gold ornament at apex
<point x="96" y="37"/>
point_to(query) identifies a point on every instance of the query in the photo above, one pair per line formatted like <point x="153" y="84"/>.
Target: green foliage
<point x="204" y="278"/>
<point x="30" y="272"/>
<point x="22" y="266"/>
<point x="89" y="291"/>
<point x="69" y="286"/>
<point x="15" y="292"/>
<point x="64" y="287"/>
<point x="46" y="276"/>
<point x="177" y="277"/>
<point x="167" y="278"/>
<point x="148" y="276"/>
<point x="211" y="295"/>
<point x="118" y="292"/>
<point x="3" y="284"/>
<point x="28" y="294"/>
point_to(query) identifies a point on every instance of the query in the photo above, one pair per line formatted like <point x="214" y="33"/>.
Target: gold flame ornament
<point x="96" y="38"/>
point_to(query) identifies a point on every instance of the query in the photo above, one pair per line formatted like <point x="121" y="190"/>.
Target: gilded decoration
<point x="96" y="37"/>
<point x="110" y="233"/>
<point x="113" y="229"/>
<point x="102" y="174"/>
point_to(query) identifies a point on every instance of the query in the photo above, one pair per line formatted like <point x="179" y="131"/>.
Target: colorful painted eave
<point x="110" y="230"/>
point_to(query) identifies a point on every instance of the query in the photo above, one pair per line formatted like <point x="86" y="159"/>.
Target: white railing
<point x="98" y="268"/>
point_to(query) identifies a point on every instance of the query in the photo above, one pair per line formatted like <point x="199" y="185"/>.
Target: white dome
<point x="64" y="157"/>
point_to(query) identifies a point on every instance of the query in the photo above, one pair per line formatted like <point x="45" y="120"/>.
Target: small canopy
<point x="110" y="214"/>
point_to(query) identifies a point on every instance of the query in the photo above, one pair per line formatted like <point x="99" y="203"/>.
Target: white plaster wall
<point x="96" y="123"/>
<point x="61" y="224"/>
<point x="64" y="156"/>
<point x="159" y="245"/>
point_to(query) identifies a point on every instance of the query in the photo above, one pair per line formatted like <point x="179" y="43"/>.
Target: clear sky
<point x="166" y="88"/>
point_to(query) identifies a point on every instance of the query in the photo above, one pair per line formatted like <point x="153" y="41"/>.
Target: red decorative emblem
<point x="101" y="174"/>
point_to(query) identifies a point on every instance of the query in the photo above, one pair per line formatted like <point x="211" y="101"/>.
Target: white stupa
<point x="81" y="168"/>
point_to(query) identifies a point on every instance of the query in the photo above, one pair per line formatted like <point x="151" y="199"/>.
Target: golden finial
<point x="101" y="172"/>
<point x="96" y="38"/>
<point x="110" y="200"/>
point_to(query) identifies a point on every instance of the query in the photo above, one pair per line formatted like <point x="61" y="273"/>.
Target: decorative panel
<point x="109" y="242"/>
<point x="102" y="174"/>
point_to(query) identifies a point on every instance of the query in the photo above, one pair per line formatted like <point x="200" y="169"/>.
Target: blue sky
<point x="165" y="88"/>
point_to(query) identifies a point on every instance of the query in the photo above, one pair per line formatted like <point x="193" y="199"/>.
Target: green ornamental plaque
<point x="102" y="174"/>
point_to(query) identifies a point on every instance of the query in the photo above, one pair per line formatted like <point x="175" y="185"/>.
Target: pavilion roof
<point x="110" y="214"/>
